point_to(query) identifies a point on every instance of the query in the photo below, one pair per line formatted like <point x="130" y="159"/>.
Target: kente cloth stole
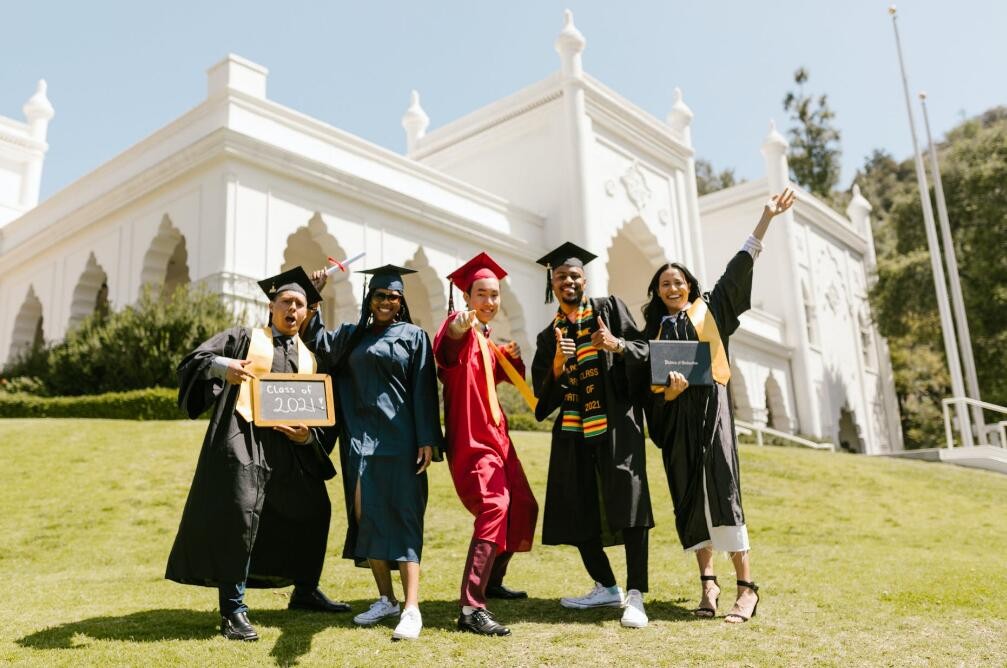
<point x="707" y="330"/>
<point x="260" y="351"/>
<point x="491" y="386"/>
<point x="584" y="402"/>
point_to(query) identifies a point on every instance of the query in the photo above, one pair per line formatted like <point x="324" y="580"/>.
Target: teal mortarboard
<point x="291" y="280"/>
<point x="567" y="254"/>
<point x="388" y="277"/>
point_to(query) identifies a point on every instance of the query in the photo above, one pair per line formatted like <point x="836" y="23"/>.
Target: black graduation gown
<point x="696" y="430"/>
<point x="256" y="499"/>
<point x="597" y="489"/>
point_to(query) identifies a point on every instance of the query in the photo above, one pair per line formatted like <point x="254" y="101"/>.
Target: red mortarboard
<point x="481" y="266"/>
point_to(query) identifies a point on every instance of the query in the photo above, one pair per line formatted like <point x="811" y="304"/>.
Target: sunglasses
<point x="389" y="297"/>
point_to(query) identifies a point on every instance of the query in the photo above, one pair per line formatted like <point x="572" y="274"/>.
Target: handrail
<point x="759" y="431"/>
<point x="946" y="410"/>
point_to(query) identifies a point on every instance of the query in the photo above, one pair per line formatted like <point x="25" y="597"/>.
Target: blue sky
<point x="119" y="70"/>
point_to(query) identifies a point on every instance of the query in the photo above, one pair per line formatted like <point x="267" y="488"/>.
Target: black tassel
<point x="548" y="284"/>
<point x="363" y="299"/>
<point x="451" y="297"/>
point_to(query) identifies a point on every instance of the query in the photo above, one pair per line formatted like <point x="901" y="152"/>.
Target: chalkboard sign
<point x="293" y="398"/>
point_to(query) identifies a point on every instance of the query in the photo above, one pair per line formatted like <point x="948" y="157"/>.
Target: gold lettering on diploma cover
<point x="592" y="405"/>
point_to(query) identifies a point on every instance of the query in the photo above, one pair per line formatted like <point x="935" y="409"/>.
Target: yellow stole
<point x="706" y="329"/>
<point x="515" y="378"/>
<point x="260" y="352"/>
<point x="491" y="386"/>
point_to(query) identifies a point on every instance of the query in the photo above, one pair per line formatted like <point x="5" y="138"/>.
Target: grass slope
<point x="862" y="561"/>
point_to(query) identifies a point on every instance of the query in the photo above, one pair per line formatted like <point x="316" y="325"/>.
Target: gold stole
<point x="491" y="386"/>
<point x="706" y="329"/>
<point x="515" y="378"/>
<point x="260" y="352"/>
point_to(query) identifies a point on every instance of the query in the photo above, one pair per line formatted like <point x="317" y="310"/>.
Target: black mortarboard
<point x="291" y="280"/>
<point x="566" y="254"/>
<point x="388" y="277"/>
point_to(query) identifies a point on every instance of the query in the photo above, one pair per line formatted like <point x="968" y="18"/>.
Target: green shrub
<point x="156" y="403"/>
<point x="525" y="421"/>
<point x="137" y="347"/>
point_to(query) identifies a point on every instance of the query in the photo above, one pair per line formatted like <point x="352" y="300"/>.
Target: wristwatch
<point x="622" y="347"/>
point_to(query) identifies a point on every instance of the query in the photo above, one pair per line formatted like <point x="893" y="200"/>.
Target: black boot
<point x="237" y="627"/>
<point x="315" y="600"/>
<point x="482" y="623"/>
<point x="501" y="591"/>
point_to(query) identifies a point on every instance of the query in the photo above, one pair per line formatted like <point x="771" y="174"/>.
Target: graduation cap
<point x="567" y="254"/>
<point x="388" y="277"/>
<point x="291" y="280"/>
<point x="481" y="266"/>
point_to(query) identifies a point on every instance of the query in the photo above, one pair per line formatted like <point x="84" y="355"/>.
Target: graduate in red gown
<point x="485" y="468"/>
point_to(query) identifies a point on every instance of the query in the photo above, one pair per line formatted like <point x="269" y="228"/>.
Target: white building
<point x="241" y="187"/>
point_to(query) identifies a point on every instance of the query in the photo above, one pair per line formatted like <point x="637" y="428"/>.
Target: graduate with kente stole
<point x="589" y="363"/>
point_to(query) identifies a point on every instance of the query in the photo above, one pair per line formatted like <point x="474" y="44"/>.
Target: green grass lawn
<point x="861" y="561"/>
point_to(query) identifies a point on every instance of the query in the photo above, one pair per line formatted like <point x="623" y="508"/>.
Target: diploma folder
<point x="689" y="358"/>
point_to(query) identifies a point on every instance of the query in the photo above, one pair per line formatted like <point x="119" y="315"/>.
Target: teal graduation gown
<point x="386" y="391"/>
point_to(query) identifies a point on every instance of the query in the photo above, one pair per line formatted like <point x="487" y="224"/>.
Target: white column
<point x="38" y="111"/>
<point x="774" y="153"/>
<point x="577" y="224"/>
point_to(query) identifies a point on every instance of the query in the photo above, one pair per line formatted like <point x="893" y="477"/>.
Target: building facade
<point x="241" y="187"/>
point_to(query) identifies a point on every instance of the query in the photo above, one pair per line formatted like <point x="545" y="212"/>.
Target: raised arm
<point x="774" y="207"/>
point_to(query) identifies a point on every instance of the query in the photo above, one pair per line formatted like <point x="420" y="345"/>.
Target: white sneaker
<point x="410" y="624"/>
<point x="380" y="609"/>
<point x="634" y="616"/>
<point x="599" y="597"/>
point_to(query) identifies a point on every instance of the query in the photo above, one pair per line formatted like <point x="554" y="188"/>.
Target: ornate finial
<point x="680" y="117"/>
<point x="774" y="138"/>
<point x="569" y="45"/>
<point x="38" y="106"/>
<point x="858" y="203"/>
<point x="892" y="10"/>
<point x="415" y="121"/>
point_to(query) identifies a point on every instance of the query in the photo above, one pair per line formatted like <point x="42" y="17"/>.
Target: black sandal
<point x="755" y="588"/>
<point x="708" y="613"/>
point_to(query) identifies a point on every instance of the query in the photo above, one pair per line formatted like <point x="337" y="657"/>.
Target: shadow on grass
<point x="297" y="629"/>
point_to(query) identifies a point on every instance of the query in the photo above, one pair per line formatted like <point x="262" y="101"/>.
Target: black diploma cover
<point x="689" y="358"/>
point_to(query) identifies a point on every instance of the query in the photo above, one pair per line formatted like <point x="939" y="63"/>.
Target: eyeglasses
<point x="389" y="297"/>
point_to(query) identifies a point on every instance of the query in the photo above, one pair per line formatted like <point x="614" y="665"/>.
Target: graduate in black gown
<point x="389" y="432"/>
<point x="694" y="426"/>
<point x="591" y="364"/>
<point x="258" y="511"/>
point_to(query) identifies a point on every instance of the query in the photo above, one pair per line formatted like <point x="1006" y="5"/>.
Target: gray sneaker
<point x="380" y="609"/>
<point x="599" y="597"/>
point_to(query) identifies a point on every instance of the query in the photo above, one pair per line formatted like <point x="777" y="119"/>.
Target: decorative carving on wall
<point x="635" y="183"/>
<point x="664" y="216"/>
<point x="610" y="188"/>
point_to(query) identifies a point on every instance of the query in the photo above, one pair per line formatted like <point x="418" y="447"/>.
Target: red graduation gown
<point x="485" y="467"/>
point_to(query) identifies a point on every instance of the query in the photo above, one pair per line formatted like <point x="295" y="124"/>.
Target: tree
<point x="814" y="142"/>
<point x="134" y="348"/>
<point x="708" y="181"/>
<point x="973" y="162"/>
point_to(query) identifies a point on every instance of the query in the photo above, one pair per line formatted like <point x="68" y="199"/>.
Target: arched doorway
<point x="633" y="257"/>
<point x="776" y="407"/>
<point x="738" y="393"/>
<point x="509" y="325"/>
<point x="28" y="333"/>
<point x="308" y="247"/>
<point x="425" y="293"/>
<point x="166" y="262"/>
<point x="849" y="432"/>
<point x="90" y="295"/>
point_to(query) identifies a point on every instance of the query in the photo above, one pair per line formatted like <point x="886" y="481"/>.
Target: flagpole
<point x="947" y="328"/>
<point x="957" y="300"/>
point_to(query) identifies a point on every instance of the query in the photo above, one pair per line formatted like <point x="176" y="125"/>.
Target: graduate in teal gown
<point x="389" y="431"/>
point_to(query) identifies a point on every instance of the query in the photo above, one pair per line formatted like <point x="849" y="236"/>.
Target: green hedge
<point x="156" y="403"/>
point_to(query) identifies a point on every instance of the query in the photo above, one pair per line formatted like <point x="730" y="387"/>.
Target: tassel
<point x="548" y="284"/>
<point x="451" y="297"/>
